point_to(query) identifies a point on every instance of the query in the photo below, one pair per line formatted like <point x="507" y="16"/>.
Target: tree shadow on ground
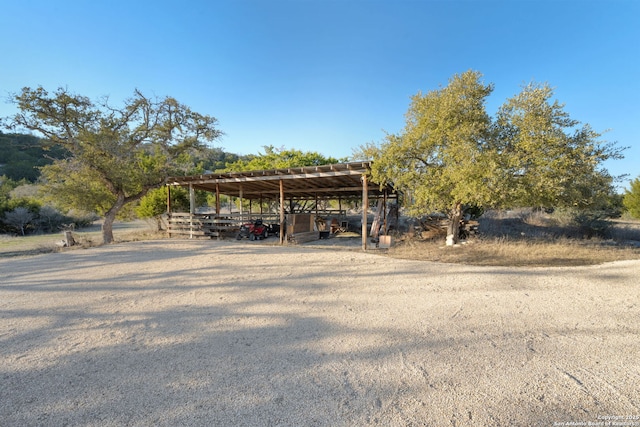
<point x="283" y="340"/>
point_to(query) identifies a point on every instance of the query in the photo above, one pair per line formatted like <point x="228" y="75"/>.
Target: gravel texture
<point x="225" y="333"/>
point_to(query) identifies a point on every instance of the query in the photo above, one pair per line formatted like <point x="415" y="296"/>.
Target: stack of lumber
<point x="303" y="237"/>
<point x="435" y="227"/>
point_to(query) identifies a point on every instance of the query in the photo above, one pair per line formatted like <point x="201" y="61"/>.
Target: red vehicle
<point x="253" y="230"/>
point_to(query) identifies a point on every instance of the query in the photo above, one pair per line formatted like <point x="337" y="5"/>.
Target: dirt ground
<point x="226" y="333"/>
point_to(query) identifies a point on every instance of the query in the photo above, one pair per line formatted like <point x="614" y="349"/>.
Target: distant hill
<point x="21" y="155"/>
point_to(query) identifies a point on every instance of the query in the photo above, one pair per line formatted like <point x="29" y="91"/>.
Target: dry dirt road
<point x="207" y="333"/>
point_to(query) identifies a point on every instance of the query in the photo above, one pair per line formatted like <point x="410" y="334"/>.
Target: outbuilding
<point x="292" y="190"/>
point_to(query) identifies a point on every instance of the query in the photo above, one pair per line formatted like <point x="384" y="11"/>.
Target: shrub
<point x="631" y="200"/>
<point x="591" y="224"/>
<point x="19" y="219"/>
<point x="82" y="219"/>
<point x="50" y="219"/>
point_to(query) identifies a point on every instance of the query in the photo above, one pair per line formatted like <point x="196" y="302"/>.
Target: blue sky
<point x="329" y="75"/>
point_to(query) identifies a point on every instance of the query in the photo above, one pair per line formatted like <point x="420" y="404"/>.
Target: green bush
<point x="591" y="224"/>
<point x="631" y="200"/>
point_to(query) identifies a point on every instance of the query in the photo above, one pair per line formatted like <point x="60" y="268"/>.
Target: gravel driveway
<point x="225" y="333"/>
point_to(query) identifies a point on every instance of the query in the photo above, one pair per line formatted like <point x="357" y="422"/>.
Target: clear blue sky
<point x="329" y="75"/>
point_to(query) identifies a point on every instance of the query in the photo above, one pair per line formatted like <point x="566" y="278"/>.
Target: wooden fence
<point x="209" y="226"/>
<point x="212" y="225"/>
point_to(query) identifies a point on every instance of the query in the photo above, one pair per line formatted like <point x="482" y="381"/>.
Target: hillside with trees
<point x="22" y="155"/>
<point x="24" y="209"/>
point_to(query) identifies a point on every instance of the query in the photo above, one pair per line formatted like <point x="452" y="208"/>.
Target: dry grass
<point x="507" y="239"/>
<point x="533" y="239"/>
<point x="11" y="246"/>
<point x="515" y="253"/>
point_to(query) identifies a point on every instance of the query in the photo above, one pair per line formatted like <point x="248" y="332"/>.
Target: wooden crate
<point x="300" y="223"/>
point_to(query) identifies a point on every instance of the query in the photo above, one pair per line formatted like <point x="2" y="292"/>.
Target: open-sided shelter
<point x="288" y="187"/>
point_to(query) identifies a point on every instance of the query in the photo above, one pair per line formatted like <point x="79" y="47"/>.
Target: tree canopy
<point x="451" y="153"/>
<point x="631" y="200"/>
<point x="281" y="158"/>
<point x="116" y="154"/>
<point x="546" y="158"/>
<point x="154" y="203"/>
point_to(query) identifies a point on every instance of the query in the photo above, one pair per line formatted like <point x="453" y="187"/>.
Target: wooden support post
<point x="384" y="214"/>
<point x="168" y="210"/>
<point x="169" y="199"/>
<point x="365" y="208"/>
<point x="397" y="211"/>
<point x="192" y="209"/>
<point x="217" y="198"/>
<point x="192" y="200"/>
<point x="282" y="230"/>
<point x="241" y="213"/>
<point x="217" y="230"/>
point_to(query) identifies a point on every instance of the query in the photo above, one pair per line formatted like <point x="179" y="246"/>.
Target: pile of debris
<point x="435" y="227"/>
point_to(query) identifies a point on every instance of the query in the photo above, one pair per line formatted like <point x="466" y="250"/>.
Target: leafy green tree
<point x="280" y="158"/>
<point x="154" y="203"/>
<point x="441" y="159"/>
<point x="116" y="154"/>
<point x="451" y="153"/>
<point x="18" y="205"/>
<point x="7" y="185"/>
<point x="631" y="199"/>
<point x="548" y="159"/>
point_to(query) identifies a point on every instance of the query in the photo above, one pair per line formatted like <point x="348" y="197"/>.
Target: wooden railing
<point x="212" y="225"/>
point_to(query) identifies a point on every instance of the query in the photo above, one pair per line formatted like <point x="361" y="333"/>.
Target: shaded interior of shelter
<point x="295" y="200"/>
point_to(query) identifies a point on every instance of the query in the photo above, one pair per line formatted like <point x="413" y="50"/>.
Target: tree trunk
<point x="453" y="230"/>
<point x="109" y="218"/>
<point x="107" y="227"/>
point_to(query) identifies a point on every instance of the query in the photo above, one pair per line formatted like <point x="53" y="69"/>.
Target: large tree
<point x="451" y="153"/>
<point x="440" y="159"/>
<point x="116" y="154"/>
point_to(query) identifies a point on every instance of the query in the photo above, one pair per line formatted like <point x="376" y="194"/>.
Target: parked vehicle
<point x="253" y="231"/>
<point x="273" y="229"/>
